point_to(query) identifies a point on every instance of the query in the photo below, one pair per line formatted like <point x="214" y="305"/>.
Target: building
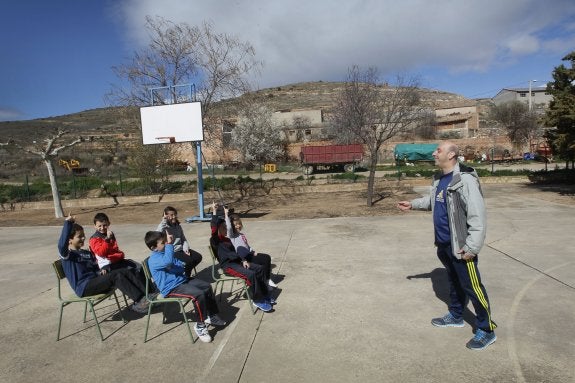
<point x="539" y="97"/>
<point x="457" y="122"/>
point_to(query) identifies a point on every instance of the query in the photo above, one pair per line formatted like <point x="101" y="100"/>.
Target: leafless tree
<point x="370" y="112"/>
<point x="181" y="54"/>
<point x="520" y="124"/>
<point x="47" y="151"/>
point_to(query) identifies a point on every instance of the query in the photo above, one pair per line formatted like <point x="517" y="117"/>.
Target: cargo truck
<point x="345" y="157"/>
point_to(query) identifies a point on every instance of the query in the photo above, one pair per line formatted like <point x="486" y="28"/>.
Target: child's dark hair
<point x="235" y="218"/>
<point x="101" y="217"/>
<point x="170" y="208"/>
<point x="75" y="229"/>
<point x="152" y="237"/>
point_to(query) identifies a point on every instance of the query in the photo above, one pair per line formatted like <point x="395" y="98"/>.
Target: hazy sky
<point x="57" y="55"/>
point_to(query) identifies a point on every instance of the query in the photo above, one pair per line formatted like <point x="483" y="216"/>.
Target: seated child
<point x="233" y="264"/>
<point x="168" y="274"/>
<point x="182" y="251"/>
<point x="104" y="245"/>
<point x="84" y="275"/>
<point x="234" y="233"/>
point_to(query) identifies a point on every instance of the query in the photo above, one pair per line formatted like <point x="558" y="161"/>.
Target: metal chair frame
<point x="219" y="276"/>
<point x="154" y="299"/>
<point x="89" y="301"/>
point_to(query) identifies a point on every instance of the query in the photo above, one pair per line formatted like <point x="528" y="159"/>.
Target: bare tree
<point x="257" y="137"/>
<point x="520" y="124"/>
<point x="369" y="112"/>
<point x="47" y="151"/>
<point x="180" y="54"/>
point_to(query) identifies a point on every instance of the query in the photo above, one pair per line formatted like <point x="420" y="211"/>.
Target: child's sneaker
<point x="263" y="305"/>
<point x="215" y="320"/>
<point x="481" y="340"/>
<point x="447" y="321"/>
<point x="202" y="332"/>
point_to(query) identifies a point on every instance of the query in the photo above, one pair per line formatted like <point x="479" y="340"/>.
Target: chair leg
<point x="96" y="320"/>
<point x="119" y="308"/>
<point x="187" y="323"/>
<point x="85" y="310"/>
<point x="60" y="321"/>
<point x="148" y="321"/>
<point x="250" y="301"/>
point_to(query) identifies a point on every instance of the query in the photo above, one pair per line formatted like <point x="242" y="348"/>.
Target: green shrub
<point x="557" y="176"/>
<point x="347" y="176"/>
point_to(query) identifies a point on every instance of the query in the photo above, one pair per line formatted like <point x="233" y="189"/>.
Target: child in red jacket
<point x="104" y="246"/>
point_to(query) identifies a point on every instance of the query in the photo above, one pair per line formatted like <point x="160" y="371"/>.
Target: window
<point x="522" y="94"/>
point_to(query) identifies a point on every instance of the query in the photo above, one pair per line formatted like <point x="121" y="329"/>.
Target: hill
<point x="113" y="120"/>
<point x="105" y="129"/>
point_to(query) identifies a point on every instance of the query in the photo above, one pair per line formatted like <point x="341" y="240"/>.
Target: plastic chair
<point x="155" y="299"/>
<point x="91" y="300"/>
<point x="219" y="276"/>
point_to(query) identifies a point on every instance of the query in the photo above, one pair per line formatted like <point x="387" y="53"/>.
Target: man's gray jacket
<point x="465" y="209"/>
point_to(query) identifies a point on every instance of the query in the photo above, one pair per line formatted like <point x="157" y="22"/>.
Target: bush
<point x="347" y="176"/>
<point x="558" y="176"/>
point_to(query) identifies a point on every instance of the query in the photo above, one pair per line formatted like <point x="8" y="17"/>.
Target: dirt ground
<point x="316" y="204"/>
<point x="275" y="206"/>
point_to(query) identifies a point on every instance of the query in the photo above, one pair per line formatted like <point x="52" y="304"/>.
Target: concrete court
<point x="355" y="304"/>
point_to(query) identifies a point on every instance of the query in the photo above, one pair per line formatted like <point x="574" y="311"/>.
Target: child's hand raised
<point x="71" y="218"/>
<point x="169" y="237"/>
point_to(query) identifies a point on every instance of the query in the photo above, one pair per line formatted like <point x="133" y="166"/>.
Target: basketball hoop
<point x="167" y="140"/>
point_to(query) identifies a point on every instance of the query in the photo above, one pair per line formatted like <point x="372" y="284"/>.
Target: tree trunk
<point x="371" y="181"/>
<point x="58" y="211"/>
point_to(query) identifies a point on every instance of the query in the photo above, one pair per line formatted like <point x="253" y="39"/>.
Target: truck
<point x="345" y="157"/>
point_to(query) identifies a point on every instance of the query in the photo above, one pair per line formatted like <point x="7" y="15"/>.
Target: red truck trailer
<point x="331" y="157"/>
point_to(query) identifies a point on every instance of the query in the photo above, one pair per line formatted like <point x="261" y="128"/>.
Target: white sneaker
<point x="203" y="333"/>
<point x="271" y="283"/>
<point x="215" y="320"/>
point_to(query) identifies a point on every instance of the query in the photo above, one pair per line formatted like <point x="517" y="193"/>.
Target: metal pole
<point x="492" y="160"/>
<point x="530" y="101"/>
<point x="200" y="180"/>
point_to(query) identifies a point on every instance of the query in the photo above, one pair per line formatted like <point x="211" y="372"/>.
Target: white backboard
<point x="172" y="123"/>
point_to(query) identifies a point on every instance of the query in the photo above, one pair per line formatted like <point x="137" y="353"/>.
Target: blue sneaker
<point x="447" y="321"/>
<point x="270" y="300"/>
<point x="481" y="340"/>
<point x="263" y="305"/>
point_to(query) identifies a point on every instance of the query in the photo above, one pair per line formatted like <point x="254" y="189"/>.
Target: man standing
<point x="459" y="221"/>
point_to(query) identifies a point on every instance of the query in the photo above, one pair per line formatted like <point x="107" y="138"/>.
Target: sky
<point x="57" y="55"/>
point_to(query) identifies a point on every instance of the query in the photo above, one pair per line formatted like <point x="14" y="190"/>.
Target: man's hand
<point x="404" y="205"/>
<point x="465" y="255"/>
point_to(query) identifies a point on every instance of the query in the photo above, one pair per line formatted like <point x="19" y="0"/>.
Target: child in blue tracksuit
<point x="168" y="273"/>
<point x="84" y="275"/>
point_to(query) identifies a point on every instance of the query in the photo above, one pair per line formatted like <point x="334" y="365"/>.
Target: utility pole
<point x="530" y="96"/>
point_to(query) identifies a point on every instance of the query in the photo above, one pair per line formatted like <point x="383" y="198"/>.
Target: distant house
<point x="460" y="120"/>
<point x="539" y="96"/>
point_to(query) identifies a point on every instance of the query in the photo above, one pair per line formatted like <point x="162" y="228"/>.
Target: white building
<point x="539" y="96"/>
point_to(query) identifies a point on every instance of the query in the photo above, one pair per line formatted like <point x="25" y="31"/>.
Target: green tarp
<point x="414" y="152"/>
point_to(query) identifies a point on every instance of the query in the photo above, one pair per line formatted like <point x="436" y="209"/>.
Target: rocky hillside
<point x="105" y="128"/>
